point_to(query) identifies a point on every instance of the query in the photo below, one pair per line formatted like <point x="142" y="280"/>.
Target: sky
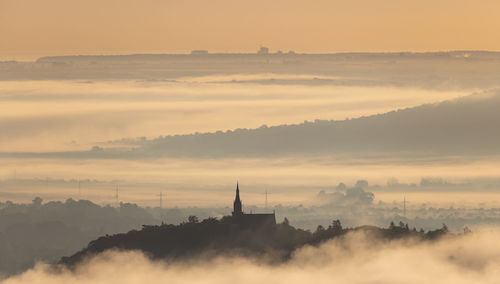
<point x="74" y="115"/>
<point x="32" y="28"/>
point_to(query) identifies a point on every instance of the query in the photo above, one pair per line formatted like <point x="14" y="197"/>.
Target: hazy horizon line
<point x="271" y="52"/>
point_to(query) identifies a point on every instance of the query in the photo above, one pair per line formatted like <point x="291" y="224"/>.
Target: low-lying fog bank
<point x="358" y="258"/>
<point x="48" y="230"/>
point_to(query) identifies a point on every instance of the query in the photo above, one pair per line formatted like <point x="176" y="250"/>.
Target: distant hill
<point x="428" y="70"/>
<point x="461" y="127"/>
<point x="468" y="54"/>
<point x="466" y="126"/>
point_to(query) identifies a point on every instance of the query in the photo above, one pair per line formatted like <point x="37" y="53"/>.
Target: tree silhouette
<point x="193" y="219"/>
<point x="336" y="225"/>
<point x="286" y="222"/>
<point x="229" y="236"/>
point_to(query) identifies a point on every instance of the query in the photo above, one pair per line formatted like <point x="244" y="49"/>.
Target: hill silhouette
<point x="457" y="127"/>
<point x="460" y="127"/>
<point x="212" y="237"/>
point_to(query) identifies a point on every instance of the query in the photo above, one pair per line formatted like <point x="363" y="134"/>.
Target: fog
<point x="81" y="114"/>
<point x="199" y="182"/>
<point x="356" y="258"/>
<point x="47" y="230"/>
<point x="364" y="138"/>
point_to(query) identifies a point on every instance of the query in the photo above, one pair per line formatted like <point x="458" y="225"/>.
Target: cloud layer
<point x="69" y="115"/>
<point x="358" y="258"/>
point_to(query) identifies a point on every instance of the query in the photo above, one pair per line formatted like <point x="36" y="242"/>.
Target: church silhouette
<point x="250" y="220"/>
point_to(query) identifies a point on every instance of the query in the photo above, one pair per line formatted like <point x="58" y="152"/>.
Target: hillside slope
<point x="465" y="126"/>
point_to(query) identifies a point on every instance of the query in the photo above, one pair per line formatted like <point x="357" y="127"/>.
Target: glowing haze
<point x="32" y="28"/>
<point x="406" y="131"/>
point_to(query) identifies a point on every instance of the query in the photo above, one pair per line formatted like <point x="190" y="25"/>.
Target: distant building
<point x="250" y="220"/>
<point x="263" y="50"/>
<point x="199" y="52"/>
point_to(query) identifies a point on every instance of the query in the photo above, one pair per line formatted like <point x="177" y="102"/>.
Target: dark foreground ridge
<point x="227" y="237"/>
<point x="249" y="235"/>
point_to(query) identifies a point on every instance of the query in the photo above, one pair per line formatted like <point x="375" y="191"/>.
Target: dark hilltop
<point x="248" y="235"/>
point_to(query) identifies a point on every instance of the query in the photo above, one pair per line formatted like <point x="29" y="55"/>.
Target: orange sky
<point x="31" y="28"/>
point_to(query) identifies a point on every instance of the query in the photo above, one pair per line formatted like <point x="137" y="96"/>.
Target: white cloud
<point x="356" y="259"/>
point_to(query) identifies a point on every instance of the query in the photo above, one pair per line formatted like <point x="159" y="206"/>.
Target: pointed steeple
<point x="237" y="202"/>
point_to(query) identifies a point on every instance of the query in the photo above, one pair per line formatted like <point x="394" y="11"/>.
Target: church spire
<point x="237" y="202"/>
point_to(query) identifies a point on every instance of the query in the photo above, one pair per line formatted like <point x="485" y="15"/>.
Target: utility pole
<point x="161" y="207"/>
<point x="266" y="199"/>
<point x="404" y="206"/>
<point x="116" y="195"/>
<point x="161" y="199"/>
